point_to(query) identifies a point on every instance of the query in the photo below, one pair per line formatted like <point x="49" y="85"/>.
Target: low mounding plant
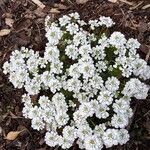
<point x="84" y="82"/>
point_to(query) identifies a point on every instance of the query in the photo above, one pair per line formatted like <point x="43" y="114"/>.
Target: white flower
<point x="117" y="39"/>
<point x="85" y="50"/>
<point x="26" y="99"/>
<point x="64" y="20"/>
<point x="80" y="143"/>
<point x="110" y="137"/>
<point x="66" y="143"/>
<point x="73" y="85"/>
<point x="112" y="84"/>
<point x="74" y="71"/>
<point x="121" y="106"/>
<point x="101" y="111"/>
<point x="93" y="24"/>
<point x="140" y="68"/>
<point x="53" y="35"/>
<point x="80" y="38"/>
<point x="52" y="139"/>
<point x="37" y="124"/>
<point x="87" y="69"/>
<point x="105" y="97"/>
<point x="99" y="130"/>
<point x="72" y="28"/>
<point x="96" y="82"/>
<point x="93" y="143"/>
<point x="71" y="51"/>
<point x="54" y="85"/>
<point x="84" y="131"/>
<point x="107" y="21"/>
<point x="26" y="109"/>
<point x="56" y="67"/>
<point x="51" y="53"/>
<point x="32" y="63"/>
<point x="135" y="88"/>
<point x="123" y="137"/>
<point x="101" y="66"/>
<point x="33" y="86"/>
<point x="62" y="119"/>
<point x="75" y="15"/>
<point x="82" y="97"/>
<point x="81" y="22"/>
<point x="132" y="45"/>
<point x="48" y="114"/>
<point x="35" y="112"/>
<point x="146" y="73"/>
<point x="6" y="67"/>
<point x="86" y="110"/>
<point x="119" y="121"/>
<point x="98" y="53"/>
<point x="70" y="133"/>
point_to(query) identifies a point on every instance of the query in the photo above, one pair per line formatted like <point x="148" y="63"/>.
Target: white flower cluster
<point x="84" y="82"/>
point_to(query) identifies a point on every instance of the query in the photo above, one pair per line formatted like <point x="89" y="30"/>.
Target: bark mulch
<point x="25" y="21"/>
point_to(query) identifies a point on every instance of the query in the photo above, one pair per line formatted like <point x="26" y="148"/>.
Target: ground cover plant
<point x="84" y="81"/>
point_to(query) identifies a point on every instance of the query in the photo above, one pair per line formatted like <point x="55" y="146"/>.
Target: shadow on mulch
<point x="28" y="31"/>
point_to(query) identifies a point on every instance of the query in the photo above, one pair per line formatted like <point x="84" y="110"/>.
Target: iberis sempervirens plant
<point x="84" y="82"/>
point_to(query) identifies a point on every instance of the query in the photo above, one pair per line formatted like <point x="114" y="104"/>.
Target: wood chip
<point x="7" y="15"/>
<point x="54" y="10"/>
<point x="9" y="21"/>
<point x="146" y="6"/>
<point x="148" y="55"/>
<point x="0" y="130"/>
<point x="144" y="48"/>
<point x="127" y="2"/>
<point x="81" y="1"/>
<point x="113" y="1"/>
<point x="136" y="6"/>
<point x="39" y="3"/>
<point x="4" y="32"/>
<point x="38" y="12"/>
<point x="142" y="27"/>
<point x="60" y="6"/>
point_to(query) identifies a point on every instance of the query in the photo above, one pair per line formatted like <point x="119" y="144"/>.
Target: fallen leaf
<point x="12" y="135"/>
<point x="54" y="10"/>
<point x="113" y="1"/>
<point x="4" y="32"/>
<point x="9" y="21"/>
<point x="60" y="6"/>
<point x="39" y="3"/>
<point x="81" y="1"/>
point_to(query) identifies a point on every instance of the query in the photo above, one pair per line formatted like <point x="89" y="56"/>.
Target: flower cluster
<point x="84" y="82"/>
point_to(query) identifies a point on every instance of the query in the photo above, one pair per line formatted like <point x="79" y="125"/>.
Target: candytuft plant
<point x="84" y="81"/>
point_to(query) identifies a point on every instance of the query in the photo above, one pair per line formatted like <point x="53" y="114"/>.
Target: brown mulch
<point x="27" y="29"/>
